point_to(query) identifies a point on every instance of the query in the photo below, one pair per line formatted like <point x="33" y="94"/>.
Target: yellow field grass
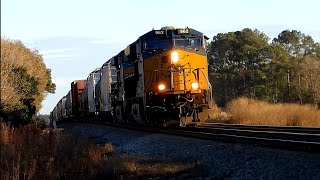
<point x="30" y="152"/>
<point x="138" y="167"/>
<point x="248" y="111"/>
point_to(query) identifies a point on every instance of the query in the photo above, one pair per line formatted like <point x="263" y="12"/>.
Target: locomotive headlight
<point x="195" y="85"/>
<point x="174" y="57"/>
<point x="161" y="87"/>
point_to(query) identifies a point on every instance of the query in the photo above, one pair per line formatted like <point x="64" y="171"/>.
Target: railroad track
<point x="293" y="129"/>
<point x="290" y="138"/>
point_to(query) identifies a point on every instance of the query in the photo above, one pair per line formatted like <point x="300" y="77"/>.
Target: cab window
<point x="157" y="44"/>
<point x="192" y="43"/>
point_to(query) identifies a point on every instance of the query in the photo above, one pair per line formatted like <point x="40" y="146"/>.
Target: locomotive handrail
<point x="206" y="78"/>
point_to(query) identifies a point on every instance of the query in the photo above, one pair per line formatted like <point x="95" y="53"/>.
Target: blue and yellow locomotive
<point x="161" y="79"/>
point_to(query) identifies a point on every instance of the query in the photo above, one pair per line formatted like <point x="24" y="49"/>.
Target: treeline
<point x="248" y="63"/>
<point x="25" y="81"/>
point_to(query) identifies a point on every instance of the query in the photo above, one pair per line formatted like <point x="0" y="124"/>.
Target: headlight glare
<point x="195" y="85"/>
<point x="161" y="87"/>
<point x="174" y="57"/>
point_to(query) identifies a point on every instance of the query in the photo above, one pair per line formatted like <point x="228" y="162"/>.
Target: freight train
<point x="161" y="79"/>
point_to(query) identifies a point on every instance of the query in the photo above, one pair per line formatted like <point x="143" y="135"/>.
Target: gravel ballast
<point x="222" y="160"/>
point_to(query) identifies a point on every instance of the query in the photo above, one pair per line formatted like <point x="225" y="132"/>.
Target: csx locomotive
<point x="161" y="79"/>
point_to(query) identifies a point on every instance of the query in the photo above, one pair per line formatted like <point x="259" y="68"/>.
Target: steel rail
<point x="294" y="129"/>
<point x="308" y="146"/>
<point x="268" y="137"/>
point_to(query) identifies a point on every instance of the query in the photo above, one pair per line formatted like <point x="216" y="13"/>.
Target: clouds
<point x="59" y="56"/>
<point x="53" y="51"/>
<point x="108" y="42"/>
<point x="63" y="53"/>
<point x="99" y="41"/>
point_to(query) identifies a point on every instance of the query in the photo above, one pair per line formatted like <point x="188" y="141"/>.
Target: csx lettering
<point x="159" y="32"/>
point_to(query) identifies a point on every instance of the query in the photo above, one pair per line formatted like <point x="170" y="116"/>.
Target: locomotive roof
<point x="168" y="31"/>
<point x="171" y="33"/>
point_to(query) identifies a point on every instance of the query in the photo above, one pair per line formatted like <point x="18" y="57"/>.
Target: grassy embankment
<point x="248" y="111"/>
<point x="30" y="152"/>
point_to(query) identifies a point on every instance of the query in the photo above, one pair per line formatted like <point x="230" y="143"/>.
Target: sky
<point x="77" y="36"/>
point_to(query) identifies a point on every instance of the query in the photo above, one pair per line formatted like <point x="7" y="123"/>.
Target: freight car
<point x="161" y="79"/>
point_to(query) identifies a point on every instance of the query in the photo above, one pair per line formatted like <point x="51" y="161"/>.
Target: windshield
<point x="192" y="43"/>
<point x="157" y="44"/>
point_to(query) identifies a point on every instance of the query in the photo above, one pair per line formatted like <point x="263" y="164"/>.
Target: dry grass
<point x="29" y="152"/>
<point x="145" y="167"/>
<point x="248" y="111"/>
<point x="216" y="114"/>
